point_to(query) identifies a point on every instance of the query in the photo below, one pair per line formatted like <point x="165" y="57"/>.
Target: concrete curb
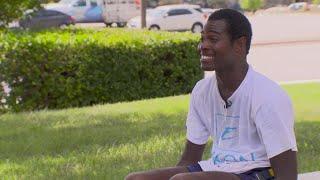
<point x="284" y="42"/>
<point x="299" y="81"/>
<point x="309" y="176"/>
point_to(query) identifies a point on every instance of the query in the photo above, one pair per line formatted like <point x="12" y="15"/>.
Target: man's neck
<point x="229" y="81"/>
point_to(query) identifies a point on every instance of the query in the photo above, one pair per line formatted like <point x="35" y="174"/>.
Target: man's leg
<point x="180" y="173"/>
<point x="157" y="174"/>
<point x="205" y="176"/>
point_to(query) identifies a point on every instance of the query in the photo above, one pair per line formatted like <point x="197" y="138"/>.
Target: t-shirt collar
<point x="238" y="90"/>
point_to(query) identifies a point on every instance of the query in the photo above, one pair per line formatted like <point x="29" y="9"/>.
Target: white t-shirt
<point x="257" y="126"/>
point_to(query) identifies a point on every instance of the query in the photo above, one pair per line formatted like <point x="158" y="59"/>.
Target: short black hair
<point x="238" y="24"/>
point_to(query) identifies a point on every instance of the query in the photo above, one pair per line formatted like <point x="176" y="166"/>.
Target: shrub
<point x="14" y="9"/>
<point x="251" y="5"/>
<point x="73" y="68"/>
<point x="316" y="1"/>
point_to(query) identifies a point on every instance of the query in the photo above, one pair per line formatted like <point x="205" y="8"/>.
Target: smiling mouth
<point x="206" y="58"/>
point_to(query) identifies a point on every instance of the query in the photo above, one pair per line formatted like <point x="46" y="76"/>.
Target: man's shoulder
<point x="267" y="90"/>
<point x="203" y="85"/>
<point x="264" y="83"/>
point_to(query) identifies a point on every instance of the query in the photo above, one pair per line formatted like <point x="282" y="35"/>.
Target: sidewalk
<point x="310" y="176"/>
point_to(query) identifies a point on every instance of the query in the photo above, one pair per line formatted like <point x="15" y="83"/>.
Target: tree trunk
<point x="143" y="13"/>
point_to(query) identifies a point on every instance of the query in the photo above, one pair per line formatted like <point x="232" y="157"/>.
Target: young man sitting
<point x="249" y="117"/>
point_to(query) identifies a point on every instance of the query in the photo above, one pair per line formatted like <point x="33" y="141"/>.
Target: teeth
<point x="206" y="57"/>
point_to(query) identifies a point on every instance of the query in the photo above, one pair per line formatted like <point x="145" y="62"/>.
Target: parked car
<point x="207" y="12"/>
<point x="119" y="11"/>
<point x="234" y="5"/>
<point x="299" y="6"/>
<point x="45" y="19"/>
<point x="81" y="10"/>
<point x="172" y="18"/>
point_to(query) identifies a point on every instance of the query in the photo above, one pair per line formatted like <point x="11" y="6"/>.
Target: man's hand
<point x="285" y="165"/>
<point x="192" y="154"/>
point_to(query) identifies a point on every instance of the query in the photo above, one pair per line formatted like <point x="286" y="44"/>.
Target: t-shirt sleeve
<point x="197" y="132"/>
<point x="275" y="125"/>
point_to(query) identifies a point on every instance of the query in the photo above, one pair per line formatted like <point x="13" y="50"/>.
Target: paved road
<point x="286" y="46"/>
<point x="272" y="27"/>
<point x="285" y="27"/>
<point x="287" y="62"/>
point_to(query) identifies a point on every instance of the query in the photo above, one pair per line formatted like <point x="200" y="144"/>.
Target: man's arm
<point x="192" y="154"/>
<point x="285" y="165"/>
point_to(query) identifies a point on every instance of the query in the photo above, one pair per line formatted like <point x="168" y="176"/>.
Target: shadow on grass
<point x="75" y="146"/>
<point x="107" y="132"/>
<point x="308" y="138"/>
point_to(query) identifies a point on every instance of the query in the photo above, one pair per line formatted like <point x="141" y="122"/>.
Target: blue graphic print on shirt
<point x="223" y="152"/>
<point x="230" y="157"/>
<point x="229" y="133"/>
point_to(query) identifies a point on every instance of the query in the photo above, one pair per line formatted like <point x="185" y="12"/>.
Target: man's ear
<point x="240" y="46"/>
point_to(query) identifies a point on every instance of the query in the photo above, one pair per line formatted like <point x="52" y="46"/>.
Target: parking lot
<point x="270" y="28"/>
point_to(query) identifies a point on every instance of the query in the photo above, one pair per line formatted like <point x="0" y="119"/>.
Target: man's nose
<point x="202" y="46"/>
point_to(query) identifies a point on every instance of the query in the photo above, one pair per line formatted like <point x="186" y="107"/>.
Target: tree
<point x="316" y="1"/>
<point x="251" y="5"/>
<point x="143" y="4"/>
<point x="11" y="10"/>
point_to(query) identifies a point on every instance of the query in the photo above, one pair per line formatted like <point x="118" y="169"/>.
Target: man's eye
<point x="214" y="39"/>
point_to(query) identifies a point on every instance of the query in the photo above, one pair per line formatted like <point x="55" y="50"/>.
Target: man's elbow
<point x="285" y="165"/>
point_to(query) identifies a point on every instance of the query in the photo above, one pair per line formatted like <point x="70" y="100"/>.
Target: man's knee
<point x="136" y="176"/>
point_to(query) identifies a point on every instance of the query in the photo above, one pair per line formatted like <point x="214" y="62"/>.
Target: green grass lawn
<point x="109" y="141"/>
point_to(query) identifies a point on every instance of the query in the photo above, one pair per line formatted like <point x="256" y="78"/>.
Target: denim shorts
<point x="249" y="175"/>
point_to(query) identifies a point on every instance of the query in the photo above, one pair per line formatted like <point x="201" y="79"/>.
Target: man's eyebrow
<point x="211" y="31"/>
<point x="214" y="31"/>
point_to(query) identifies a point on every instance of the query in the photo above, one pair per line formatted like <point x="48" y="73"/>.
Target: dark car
<point x="45" y="19"/>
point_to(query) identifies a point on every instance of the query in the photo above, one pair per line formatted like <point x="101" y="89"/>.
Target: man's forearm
<point x="185" y="163"/>
<point x="192" y="154"/>
<point x="290" y="175"/>
<point x="188" y="159"/>
<point x="287" y="178"/>
<point x="285" y="165"/>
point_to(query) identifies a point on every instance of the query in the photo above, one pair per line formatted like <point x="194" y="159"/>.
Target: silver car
<point x="45" y="19"/>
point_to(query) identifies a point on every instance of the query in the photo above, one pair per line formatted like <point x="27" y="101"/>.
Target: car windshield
<point x="30" y="13"/>
<point x="65" y="1"/>
<point x="199" y="10"/>
<point x="155" y="13"/>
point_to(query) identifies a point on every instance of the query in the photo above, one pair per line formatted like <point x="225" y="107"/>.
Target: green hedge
<point x="74" y="68"/>
<point x="251" y="5"/>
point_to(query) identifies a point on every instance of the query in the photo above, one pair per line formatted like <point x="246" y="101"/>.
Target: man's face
<point x="216" y="49"/>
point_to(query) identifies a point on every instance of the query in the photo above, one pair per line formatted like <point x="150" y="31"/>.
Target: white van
<point x="80" y="10"/>
<point x="119" y="11"/>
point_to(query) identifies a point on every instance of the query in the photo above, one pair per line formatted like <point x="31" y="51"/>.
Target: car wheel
<point x="62" y="25"/>
<point x="121" y="24"/>
<point x="154" y="28"/>
<point x="108" y="24"/>
<point x="197" y="28"/>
